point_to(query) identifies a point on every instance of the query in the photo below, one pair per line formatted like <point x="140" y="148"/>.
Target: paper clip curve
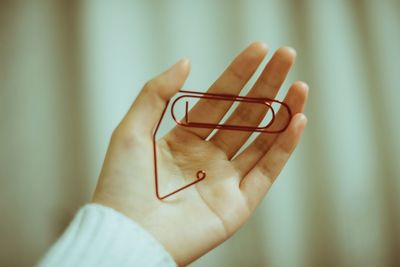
<point x="201" y="174"/>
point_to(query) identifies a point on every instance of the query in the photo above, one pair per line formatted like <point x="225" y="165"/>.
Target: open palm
<point x="197" y="219"/>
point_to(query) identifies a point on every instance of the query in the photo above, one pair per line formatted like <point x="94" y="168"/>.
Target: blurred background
<point x="69" y="70"/>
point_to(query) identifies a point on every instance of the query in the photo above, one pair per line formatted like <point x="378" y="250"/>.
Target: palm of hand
<point x="199" y="218"/>
<point x="215" y="206"/>
<point x="219" y="193"/>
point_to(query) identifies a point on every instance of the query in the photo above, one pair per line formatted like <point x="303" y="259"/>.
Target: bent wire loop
<point x="201" y="174"/>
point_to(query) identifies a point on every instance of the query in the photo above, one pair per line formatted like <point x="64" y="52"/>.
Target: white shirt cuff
<point x="101" y="236"/>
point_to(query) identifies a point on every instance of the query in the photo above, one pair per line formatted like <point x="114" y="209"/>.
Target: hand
<point x="201" y="217"/>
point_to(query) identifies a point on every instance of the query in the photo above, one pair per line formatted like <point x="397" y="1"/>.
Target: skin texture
<point x="196" y="220"/>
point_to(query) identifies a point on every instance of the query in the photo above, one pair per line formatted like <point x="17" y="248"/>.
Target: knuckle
<point x="116" y="135"/>
<point x="284" y="150"/>
<point x="153" y="85"/>
<point x="244" y="113"/>
<point x="221" y="144"/>
<point x="148" y="86"/>
<point x="270" y="82"/>
<point x="267" y="171"/>
<point x="261" y="144"/>
<point x="154" y="88"/>
<point x="126" y="138"/>
<point x="213" y="106"/>
<point x="235" y="73"/>
<point x="272" y="167"/>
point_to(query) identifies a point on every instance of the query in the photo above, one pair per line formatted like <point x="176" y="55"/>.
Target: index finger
<point x="231" y="81"/>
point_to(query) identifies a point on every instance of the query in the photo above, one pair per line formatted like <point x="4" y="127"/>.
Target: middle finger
<point x="248" y="114"/>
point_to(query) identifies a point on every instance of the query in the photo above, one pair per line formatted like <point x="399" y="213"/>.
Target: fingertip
<point x="301" y="84"/>
<point x="300" y="121"/>
<point x="287" y="53"/>
<point x="171" y="80"/>
<point x="257" y="49"/>
<point x="301" y="88"/>
<point x="185" y="63"/>
<point x="186" y="67"/>
<point x="181" y="66"/>
<point x="288" y="49"/>
<point x="259" y="45"/>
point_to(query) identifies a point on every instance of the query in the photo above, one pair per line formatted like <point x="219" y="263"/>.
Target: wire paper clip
<point x="201" y="174"/>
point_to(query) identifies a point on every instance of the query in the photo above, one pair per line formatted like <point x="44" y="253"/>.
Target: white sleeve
<point x="101" y="236"/>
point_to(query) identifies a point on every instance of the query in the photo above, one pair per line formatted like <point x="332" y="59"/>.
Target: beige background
<point x="70" y="69"/>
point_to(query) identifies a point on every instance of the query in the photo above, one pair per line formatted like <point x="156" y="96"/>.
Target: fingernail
<point x="179" y="65"/>
<point x="301" y="122"/>
<point x="302" y="84"/>
<point x="258" y="48"/>
<point x="291" y="50"/>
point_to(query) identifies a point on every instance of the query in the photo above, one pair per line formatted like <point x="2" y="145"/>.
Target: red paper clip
<point x="201" y="174"/>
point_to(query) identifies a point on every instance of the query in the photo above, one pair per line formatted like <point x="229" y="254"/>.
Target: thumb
<point x="146" y="111"/>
